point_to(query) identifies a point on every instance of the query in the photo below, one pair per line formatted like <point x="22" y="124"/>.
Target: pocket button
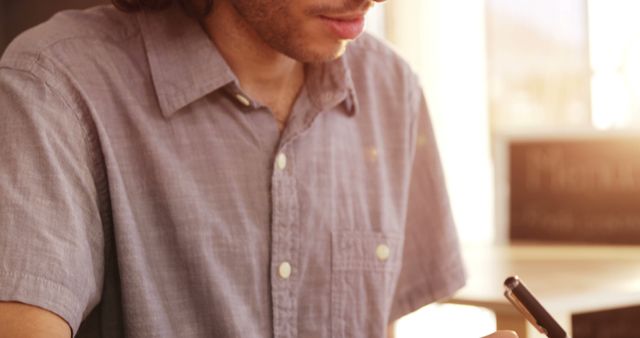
<point x="383" y="252"/>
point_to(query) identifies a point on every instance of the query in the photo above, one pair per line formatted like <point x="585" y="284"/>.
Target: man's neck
<point x="264" y="73"/>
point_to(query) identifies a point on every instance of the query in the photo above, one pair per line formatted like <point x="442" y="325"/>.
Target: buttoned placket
<point x="285" y="238"/>
<point x="285" y="233"/>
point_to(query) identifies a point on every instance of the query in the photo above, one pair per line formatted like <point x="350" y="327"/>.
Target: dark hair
<point x="198" y="11"/>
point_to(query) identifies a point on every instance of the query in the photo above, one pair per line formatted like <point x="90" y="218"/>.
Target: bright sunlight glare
<point x="614" y="33"/>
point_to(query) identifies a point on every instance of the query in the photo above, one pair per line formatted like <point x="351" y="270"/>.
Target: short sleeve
<point x="432" y="267"/>
<point x="51" y="237"/>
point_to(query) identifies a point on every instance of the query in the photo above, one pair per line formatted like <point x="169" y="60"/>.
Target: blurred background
<point x="536" y="107"/>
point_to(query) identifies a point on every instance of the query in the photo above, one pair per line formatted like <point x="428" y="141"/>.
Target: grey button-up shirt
<point x="144" y="194"/>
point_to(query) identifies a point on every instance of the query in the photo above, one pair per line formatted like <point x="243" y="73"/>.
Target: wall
<point x="3" y="26"/>
<point x="17" y="16"/>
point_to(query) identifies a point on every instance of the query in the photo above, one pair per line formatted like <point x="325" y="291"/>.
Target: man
<point x="235" y="172"/>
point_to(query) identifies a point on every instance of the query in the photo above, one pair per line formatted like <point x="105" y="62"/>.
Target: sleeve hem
<point x="44" y="293"/>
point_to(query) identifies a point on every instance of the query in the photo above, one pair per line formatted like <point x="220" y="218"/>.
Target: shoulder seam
<point x="34" y="57"/>
<point x="89" y="136"/>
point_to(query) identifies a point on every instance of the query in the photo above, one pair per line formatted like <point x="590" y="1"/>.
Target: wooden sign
<point x="583" y="190"/>
<point x="614" y="323"/>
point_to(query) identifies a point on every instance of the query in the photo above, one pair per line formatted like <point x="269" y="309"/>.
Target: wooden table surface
<point x="566" y="279"/>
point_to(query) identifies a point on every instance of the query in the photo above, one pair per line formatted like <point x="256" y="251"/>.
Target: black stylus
<point x="518" y="294"/>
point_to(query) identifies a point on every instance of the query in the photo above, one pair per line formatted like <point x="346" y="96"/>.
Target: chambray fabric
<point x="139" y="197"/>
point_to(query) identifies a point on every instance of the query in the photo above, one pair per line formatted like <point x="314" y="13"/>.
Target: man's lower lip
<point x="345" y="29"/>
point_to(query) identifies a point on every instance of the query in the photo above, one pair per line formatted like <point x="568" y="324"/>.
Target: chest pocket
<point x="365" y="269"/>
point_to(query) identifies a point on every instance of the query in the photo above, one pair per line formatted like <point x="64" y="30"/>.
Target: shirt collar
<point x="185" y="65"/>
<point x="330" y="84"/>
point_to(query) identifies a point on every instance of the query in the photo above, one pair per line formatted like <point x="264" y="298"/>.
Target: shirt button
<point x="281" y="161"/>
<point x="284" y="270"/>
<point x="243" y="100"/>
<point x="382" y="252"/>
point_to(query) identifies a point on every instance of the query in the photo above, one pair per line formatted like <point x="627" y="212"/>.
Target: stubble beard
<point x="274" y="25"/>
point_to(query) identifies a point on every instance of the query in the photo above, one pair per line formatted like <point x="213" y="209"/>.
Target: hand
<point x="502" y="334"/>
<point x="22" y="320"/>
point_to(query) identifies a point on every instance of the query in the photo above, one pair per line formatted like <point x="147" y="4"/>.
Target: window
<point x="496" y="66"/>
<point x="614" y="33"/>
